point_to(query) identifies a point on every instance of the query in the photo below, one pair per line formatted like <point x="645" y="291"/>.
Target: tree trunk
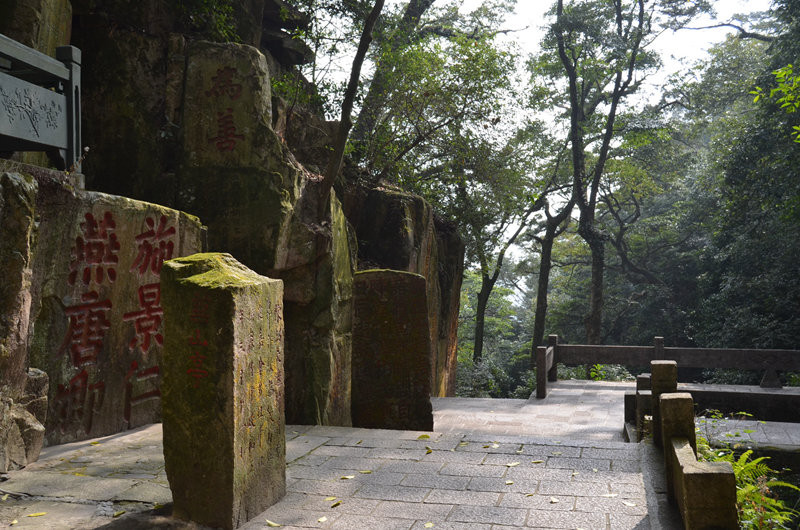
<point x="594" y="320"/>
<point x="345" y="123"/>
<point x="545" y="265"/>
<point x="480" y="314"/>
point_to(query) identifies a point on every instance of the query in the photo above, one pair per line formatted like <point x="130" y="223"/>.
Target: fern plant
<point x="758" y="507"/>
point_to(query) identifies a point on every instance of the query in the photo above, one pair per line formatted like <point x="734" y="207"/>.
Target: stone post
<point x="663" y="379"/>
<point x="391" y="348"/>
<point x="644" y="403"/>
<point x="222" y="390"/>
<point x="677" y="420"/>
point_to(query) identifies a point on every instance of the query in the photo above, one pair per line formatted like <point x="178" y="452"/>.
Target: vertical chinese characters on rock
<point x="198" y="346"/>
<point x="223" y="88"/>
<point x="94" y="264"/>
<point x="101" y="284"/>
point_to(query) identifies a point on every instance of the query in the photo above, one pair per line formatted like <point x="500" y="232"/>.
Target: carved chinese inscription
<point x="222" y="390"/>
<point x="224" y="88"/>
<point x="114" y="284"/>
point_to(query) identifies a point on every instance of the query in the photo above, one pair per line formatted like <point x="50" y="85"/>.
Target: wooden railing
<point x="768" y="361"/>
<point x="40" y="102"/>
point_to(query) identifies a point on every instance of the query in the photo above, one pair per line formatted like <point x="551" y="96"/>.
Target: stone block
<point x="95" y="310"/>
<point x="663" y="379"/>
<point x="709" y="500"/>
<point x="399" y="231"/>
<point x="391" y="352"/>
<point x="224" y="433"/>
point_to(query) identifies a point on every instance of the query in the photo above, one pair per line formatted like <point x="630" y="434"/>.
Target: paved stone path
<point x="491" y="464"/>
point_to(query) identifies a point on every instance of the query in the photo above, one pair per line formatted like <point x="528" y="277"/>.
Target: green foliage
<point x="291" y="87"/>
<point x="758" y="506"/>
<point x="788" y="89"/>
<point x="212" y="19"/>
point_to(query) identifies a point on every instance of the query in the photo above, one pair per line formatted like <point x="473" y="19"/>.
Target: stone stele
<point x="222" y="389"/>
<point x="391" y="347"/>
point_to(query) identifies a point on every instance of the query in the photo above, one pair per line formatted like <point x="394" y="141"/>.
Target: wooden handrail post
<point x="552" y="341"/>
<point x="663" y="380"/>
<point x="658" y="349"/>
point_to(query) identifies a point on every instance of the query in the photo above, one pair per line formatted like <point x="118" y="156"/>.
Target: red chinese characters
<point x="77" y="403"/>
<point x="223" y="86"/>
<point x="95" y="252"/>
<point x="88" y="323"/>
<point x="155" y="246"/>
<point x="198" y="346"/>
<point x="147" y="320"/>
<point x="145" y="377"/>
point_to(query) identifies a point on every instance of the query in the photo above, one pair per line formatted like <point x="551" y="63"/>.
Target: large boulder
<point x="83" y="303"/>
<point x="265" y="209"/>
<point x="398" y="230"/>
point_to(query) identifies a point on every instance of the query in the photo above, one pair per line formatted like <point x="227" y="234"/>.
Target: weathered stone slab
<point x="95" y="311"/>
<point x="399" y="231"/>
<point x="391" y="351"/>
<point x="266" y="211"/>
<point x="224" y="434"/>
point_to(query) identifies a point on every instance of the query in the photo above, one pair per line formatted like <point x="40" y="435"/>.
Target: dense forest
<point x="592" y="206"/>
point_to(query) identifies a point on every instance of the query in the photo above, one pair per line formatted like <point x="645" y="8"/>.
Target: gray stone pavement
<point x="490" y="464"/>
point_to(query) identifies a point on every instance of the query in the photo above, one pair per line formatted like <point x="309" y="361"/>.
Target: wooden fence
<point x="768" y="361"/>
<point x="40" y="102"/>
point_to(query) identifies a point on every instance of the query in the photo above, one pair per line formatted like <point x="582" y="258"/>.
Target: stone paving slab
<point x="470" y="477"/>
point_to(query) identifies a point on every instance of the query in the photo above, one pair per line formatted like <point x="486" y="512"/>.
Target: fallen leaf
<point x="610" y="495"/>
<point x="94" y="443"/>
<point x="519" y="451"/>
<point x="429" y="525"/>
<point x="157" y="506"/>
<point x="37" y="514"/>
<point x="495" y="445"/>
<point x="512" y="464"/>
<point x="13" y="522"/>
<point x="4" y="497"/>
<point x="529" y="494"/>
<point x="330" y="498"/>
<point x="365" y="472"/>
<point x="359" y="442"/>
<point x="575" y="473"/>
<point x="509" y="482"/>
<point x="348" y="477"/>
<point x="117" y="514"/>
<point x="423" y="437"/>
<point x="486" y="447"/>
<point x="594" y="470"/>
<point x="553" y="500"/>
<point x="557" y="453"/>
<point x="322" y="519"/>
<point x="272" y="524"/>
<point x="79" y="474"/>
<point x="631" y="504"/>
<point x="335" y="504"/>
<point x="428" y="451"/>
<point x="463" y="444"/>
<point x="537" y="461"/>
